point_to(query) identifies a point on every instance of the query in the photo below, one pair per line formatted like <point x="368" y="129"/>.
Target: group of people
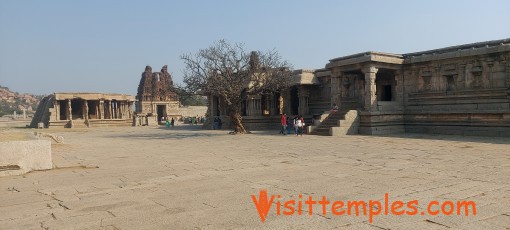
<point x="197" y="120"/>
<point x="297" y="124"/>
<point x="169" y="122"/>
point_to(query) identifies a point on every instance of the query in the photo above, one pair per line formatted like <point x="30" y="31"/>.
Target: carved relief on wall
<point x="425" y="81"/>
<point x="477" y="81"/>
<point x="349" y="85"/>
<point x="449" y="80"/>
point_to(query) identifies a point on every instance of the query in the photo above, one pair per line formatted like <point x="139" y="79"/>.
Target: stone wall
<point x="191" y="111"/>
<point x="462" y="92"/>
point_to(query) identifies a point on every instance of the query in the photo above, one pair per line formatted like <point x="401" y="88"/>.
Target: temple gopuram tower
<point x="156" y="97"/>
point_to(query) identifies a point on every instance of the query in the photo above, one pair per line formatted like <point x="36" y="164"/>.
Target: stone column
<point x="101" y="109"/>
<point x="69" y="112"/>
<point x="123" y="113"/>
<point x="85" y="106"/>
<point x="370" y="88"/>
<point x="56" y="104"/>
<point x="120" y="106"/>
<point x="98" y="114"/>
<point x="110" y="109"/>
<point x="130" y="111"/>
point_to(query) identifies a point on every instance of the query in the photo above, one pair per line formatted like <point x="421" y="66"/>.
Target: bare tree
<point x="227" y="70"/>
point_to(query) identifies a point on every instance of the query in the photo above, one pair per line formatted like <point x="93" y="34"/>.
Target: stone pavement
<point x="187" y="178"/>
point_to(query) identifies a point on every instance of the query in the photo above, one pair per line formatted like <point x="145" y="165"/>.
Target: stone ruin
<point x="156" y="97"/>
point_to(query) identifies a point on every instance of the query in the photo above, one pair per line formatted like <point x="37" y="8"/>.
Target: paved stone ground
<point x="153" y="178"/>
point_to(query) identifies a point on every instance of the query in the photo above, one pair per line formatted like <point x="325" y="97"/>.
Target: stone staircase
<point x="337" y="124"/>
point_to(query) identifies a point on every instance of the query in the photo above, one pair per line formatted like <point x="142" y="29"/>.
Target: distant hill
<point x="13" y="101"/>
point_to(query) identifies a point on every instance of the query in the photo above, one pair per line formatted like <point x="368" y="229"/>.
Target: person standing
<point x="295" y="122"/>
<point x="283" y="122"/>
<point x="167" y="123"/>
<point x="299" y="126"/>
<point x="172" y="122"/>
<point x="302" y="125"/>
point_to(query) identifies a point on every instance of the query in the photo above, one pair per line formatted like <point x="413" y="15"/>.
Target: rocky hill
<point x="13" y="101"/>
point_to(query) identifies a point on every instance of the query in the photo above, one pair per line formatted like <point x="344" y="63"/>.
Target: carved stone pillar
<point x="130" y="109"/>
<point x="111" y="110"/>
<point x="121" y="109"/>
<point x="370" y="88"/>
<point x="69" y="112"/>
<point x="85" y="110"/>
<point x="56" y="105"/>
<point x="101" y="109"/>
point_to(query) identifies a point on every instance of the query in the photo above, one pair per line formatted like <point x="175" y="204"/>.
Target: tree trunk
<point x="236" y="119"/>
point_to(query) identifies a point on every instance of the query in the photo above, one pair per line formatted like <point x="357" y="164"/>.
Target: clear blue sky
<point x="103" y="46"/>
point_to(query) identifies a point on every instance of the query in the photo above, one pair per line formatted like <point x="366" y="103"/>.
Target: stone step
<point x="341" y="131"/>
<point x="341" y="123"/>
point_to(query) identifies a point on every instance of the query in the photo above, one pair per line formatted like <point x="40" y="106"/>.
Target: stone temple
<point x="156" y="97"/>
<point x="84" y="110"/>
<point x="462" y="90"/>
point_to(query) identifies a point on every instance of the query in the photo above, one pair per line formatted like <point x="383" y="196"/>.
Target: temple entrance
<point x="77" y="109"/>
<point x="385" y="84"/>
<point x="161" y="110"/>
<point x="294" y="101"/>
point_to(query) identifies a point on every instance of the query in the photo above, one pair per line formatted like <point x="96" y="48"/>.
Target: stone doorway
<point x="385" y="85"/>
<point x="161" y="110"/>
<point x="77" y="109"/>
